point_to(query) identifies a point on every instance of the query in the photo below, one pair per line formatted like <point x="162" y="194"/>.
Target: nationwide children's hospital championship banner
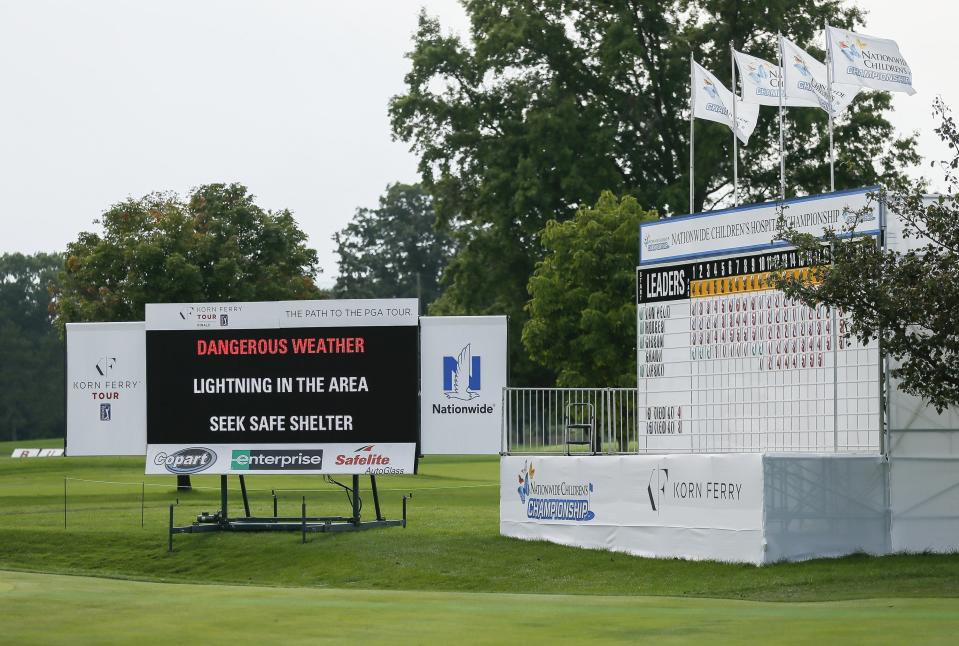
<point x="282" y="387"/>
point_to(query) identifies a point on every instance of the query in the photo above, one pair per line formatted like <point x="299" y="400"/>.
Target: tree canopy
<point x="907" y="297"/>
<point x="582" y="321"/>
<point x="551" y="102"/>
<point x="394" y="250"/>
<point x="217" y="245"/>
<point x="31" y="354"/>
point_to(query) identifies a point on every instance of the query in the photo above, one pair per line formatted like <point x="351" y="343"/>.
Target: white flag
<point x="712" y="101"/>
<point x="871" y="62"/>
<point x="805" y="78"/>
<point x="762" y="83"/>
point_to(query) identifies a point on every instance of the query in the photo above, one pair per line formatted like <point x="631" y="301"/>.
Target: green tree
<point x="31" y="354"/>
<point x="908" y="298"/>
<point x="552" y="101"/>
<point x="582" y="316"/>
<point x="218" y="245"/>
<point x="394" y="250"/>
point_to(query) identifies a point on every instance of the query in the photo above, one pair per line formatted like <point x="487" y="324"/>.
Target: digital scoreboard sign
<point x="283" y="387"/>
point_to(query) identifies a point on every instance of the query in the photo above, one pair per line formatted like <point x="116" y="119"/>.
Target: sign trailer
<point x="288" y="387"/>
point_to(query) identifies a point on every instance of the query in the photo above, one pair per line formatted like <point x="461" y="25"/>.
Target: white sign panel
<point x="694" y="506"/>
<point x="752" y="228"/>
<point x="463" y="370"/>
<point x="282" y="314"/>
<point x="106" y="389"/>
<point x="266" y="459"/>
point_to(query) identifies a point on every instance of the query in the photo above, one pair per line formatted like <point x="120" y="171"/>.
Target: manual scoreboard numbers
<point x="724" y="358"/>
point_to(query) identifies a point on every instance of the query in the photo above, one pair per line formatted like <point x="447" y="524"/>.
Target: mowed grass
<point x="52" y="609"/>
<point x="451" y="544"/>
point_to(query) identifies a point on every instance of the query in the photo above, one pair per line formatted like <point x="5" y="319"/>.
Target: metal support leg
<point x="303" y="522"/>
<point x="246" y="501"/>
<point x="376" y="497"/>
<point x="223" y="500"/>
<point x="170" y="545"/>
<point x="356" y="500"/>
<point x="274" y="503"/>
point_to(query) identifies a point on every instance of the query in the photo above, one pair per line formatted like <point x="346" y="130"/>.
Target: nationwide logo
<point x="658" y="479"/>
<point x="655" y="244"/>
<point x="105" y="365"/>
<point x="186" y="461"/>
<point x="554" y="500"/>
<point x="461" y="375"/>
<point x="276" y="460"/>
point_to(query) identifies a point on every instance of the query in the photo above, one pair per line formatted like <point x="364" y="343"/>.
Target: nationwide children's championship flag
<point x="762" y="83"/>
<point x="867" y="61"/>
<point x="712" y="101"/>
<point x="805" y="78"/>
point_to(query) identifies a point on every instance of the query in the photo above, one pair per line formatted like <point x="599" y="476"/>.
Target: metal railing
<point x="572" y="421"/>
<point x="543" y="420"/>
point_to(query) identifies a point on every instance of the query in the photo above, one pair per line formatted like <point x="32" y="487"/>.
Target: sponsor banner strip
<point x="374" y="312"/>
<point x="247" y="459"/>
<point x="753" y="227"/>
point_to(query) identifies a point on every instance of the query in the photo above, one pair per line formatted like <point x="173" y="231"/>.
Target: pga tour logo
<point x="461" y="375"/>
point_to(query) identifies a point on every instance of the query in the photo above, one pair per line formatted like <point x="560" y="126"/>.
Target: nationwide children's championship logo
<point x="655" y="244"/>
<point x="554" y="500"/>
<point x="852" y="48"/>
<point x="462" y="375"/>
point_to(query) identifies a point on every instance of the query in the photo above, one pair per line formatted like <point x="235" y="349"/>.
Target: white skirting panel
<point x="749" y="508"/>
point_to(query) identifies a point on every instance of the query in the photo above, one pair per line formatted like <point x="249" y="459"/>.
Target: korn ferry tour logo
<point x="461" y="375"/>
<point x="550" y="500"/>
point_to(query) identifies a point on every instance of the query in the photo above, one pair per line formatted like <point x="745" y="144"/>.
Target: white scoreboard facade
<point x="725" y="362"/>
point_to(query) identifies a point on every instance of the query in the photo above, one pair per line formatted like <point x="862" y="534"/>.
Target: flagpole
<point x="732" y="60"/>
<point x="782" y="147"/>
<point x="692" y="132"/>
<point x="832" y="151"/>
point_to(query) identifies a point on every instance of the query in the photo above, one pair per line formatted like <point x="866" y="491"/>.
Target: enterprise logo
<point x="277" y="460"/>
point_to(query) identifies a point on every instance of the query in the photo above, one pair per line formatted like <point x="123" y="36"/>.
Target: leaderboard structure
<point x="762" y="434"/>
<point x="725" y="361"/>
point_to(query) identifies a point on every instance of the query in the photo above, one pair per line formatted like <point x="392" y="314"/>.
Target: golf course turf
<point x="448" y="575"/>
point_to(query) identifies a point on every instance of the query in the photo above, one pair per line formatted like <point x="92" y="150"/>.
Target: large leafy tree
<point x="906" y="296"/>
<point x="582" y="321"/>
<point x="552" y="101"/>
<point x="31" y="353"/>
<point x="394" y="250"/>
<point x="217" y="245"/>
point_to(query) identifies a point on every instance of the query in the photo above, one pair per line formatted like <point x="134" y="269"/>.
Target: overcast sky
<point x="101" y="100"/>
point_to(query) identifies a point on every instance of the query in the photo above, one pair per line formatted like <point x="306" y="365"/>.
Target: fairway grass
<point x="452" y="543"/>
<point x="52" y="609"/>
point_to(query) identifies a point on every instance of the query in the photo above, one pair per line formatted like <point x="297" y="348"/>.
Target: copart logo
<point x="185" y="461"/>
